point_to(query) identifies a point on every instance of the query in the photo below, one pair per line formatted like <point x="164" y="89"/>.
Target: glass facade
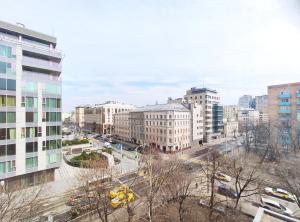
<point x="31" y="162"/>
<point x="5" y="51"/>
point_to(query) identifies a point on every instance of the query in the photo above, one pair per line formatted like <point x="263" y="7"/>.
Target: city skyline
<point x="140" y="52"/>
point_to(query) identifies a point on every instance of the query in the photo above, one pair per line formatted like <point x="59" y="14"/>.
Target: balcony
<point x="284" y="95"/>
<point x="284" y="103"/>
<point x="285" y="111"/>
<point x="40" y="64"/>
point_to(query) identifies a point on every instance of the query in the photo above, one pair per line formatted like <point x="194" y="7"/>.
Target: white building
<point x="212" y="111"/>
<point x="30" y="107"/>
<point x="247" y="117"/>
<point x="169" y="127"/>
<point x="79" y="115"/>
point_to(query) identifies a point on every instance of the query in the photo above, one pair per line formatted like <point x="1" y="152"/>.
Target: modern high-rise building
<point x="284" y="114"/>
<point x="246" y="101"/>
<point x="212" y="113"/>
<point x="30" y="106"/>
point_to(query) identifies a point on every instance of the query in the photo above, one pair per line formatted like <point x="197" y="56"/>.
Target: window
<point x="31" y="102"/>
<point x="10" y="101"/>
<point x="53" y="89"/>
<point x="30" y="132"/>
<point x="8" y="84"/>
<point x="53" y="158"/>
<point x="5" y="51"/>
<point x="11" y="117"/>
<point x="8" y="166"/>
<point x="52" y="130"/>
<point x="23" y="132"/>
<point x="11" y="149"/>
<point x="23" y="102"/>
<point x="31" y="162"/>
<point x="31" y="147"/>
<point x="11" y="133"/>
<point x="11" y="84"/>
<point x="5" y="68"/>
<point x="29" y="87"/>
<point x="2" y="150"/>
<point x="31" y="117"/>
<point x="2" y="117"/>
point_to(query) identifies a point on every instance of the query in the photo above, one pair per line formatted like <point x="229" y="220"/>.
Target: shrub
<point x="74" y="142"/>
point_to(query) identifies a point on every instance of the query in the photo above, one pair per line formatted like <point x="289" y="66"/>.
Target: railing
<point x="42" y="62"/>
<point x="32" y="44"/>
<point x="285" y="95"/>
<point x="284" y="111"/>
<point x="284" y="103"/>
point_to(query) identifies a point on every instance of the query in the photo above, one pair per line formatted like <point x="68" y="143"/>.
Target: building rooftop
<point x="195" y="90"/>
<point x="285" y="85"/>
<point x="109" y="103"/>
<point x="163" y="107"/>
<point x="28" y="33"/>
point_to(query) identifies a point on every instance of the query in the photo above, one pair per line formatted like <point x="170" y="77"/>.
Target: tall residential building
<point x="30" y="107"/>
<point x="168" y="127"/>
<point x="99" y="118"/>
<point x="246" y="101"/>
<point x="262" y="107"/>
<point x="262" y="103"/>
<point x="79" y="115"/>
<point x="212" y="119"/>
<point x="284" y="114"/>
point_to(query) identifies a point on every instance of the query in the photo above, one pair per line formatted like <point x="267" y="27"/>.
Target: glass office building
<point x="30" y="106"/>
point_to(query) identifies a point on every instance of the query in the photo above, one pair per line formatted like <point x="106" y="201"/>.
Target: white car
<point x="223" y="177"/>
<point x="275" y="206"/>
<point x="280" y="193"/>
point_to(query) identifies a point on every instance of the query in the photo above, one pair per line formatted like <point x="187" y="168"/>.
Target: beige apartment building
<point x="99" y="119"/>
<point x="121" y="126"/>
<point x="79" y="116"/>
<point x="169" y="127"/>
<point x="230" y="119"/>
<point x="212" y="111"/>
<point x="284" y="114"/>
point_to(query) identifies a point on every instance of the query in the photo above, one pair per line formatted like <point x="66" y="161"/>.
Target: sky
<point x="144" y="51"/>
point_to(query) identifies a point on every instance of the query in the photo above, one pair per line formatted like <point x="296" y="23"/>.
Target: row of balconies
<point x="287" y="95"/>
<point x="41" y="64"/>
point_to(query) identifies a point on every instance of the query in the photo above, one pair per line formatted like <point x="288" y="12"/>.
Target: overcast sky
<point x="143" y="51"/>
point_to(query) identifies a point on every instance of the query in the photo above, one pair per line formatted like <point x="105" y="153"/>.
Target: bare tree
<point x="96" y="180"/>
<point x="289" y="174"/>
<point x="177" y="189"/>
<point x="244" y="170"/>
<point x="157" y="172"/>
<point x="20" y="204"/>
<point x="214" y="164"/>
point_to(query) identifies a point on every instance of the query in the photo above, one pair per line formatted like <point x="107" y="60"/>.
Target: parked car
<point x="277" y="192"/>
<point x="115" y="192"/>
<point x="275" y="206"/>
<point x="227" y="191"/>
<point x="121" y="200"/>
<point x="223" y="177"/>
<point x="107" y="144"/>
